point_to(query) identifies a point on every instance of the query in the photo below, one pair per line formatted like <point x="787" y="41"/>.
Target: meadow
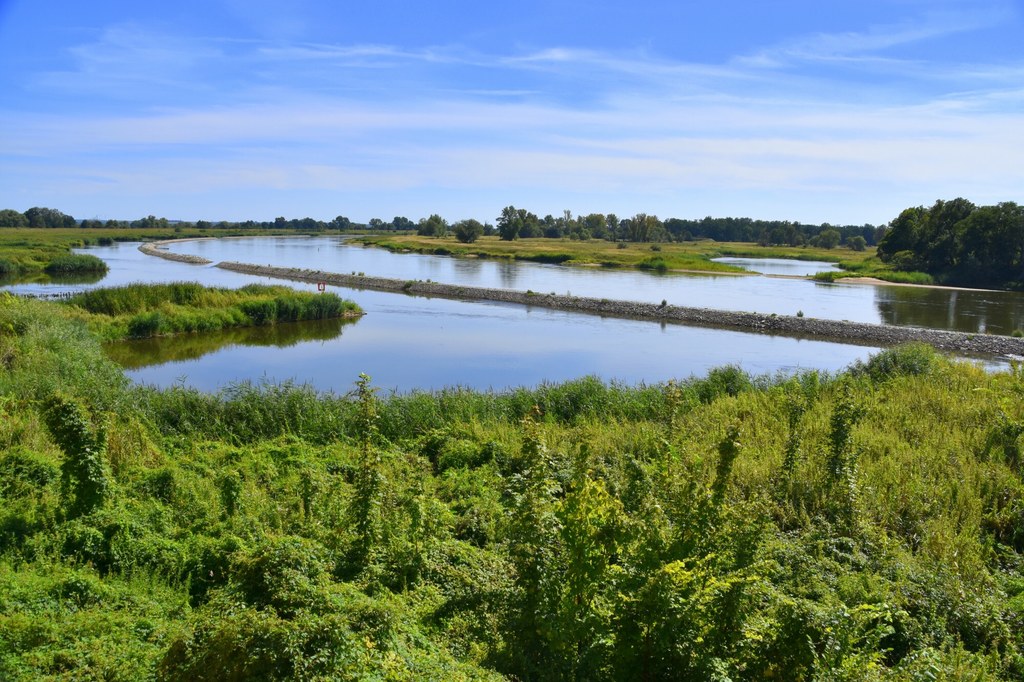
<point x="28" y="251"/>
<point x="866" y="525"/>
<point x="692" y="256"/>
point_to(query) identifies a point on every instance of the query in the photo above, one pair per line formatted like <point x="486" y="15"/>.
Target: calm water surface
<point x="968" y="311"/>
<point x="780" y="266"/>
<point x="406" y="343"/>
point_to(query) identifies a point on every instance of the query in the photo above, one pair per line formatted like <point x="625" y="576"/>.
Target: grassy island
<point x="692" y="256"/>
<point x="867" y="525"/>
<point x="145" y="310"/>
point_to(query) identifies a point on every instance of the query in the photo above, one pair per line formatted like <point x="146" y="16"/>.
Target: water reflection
<point x="973" y="311"/>
<point x="779" y="266"/>
<point x="56" y="280"/>
<point x="146" y="352"/>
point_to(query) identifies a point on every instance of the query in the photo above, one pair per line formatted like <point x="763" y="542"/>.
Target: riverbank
<point x="837" y="330"/>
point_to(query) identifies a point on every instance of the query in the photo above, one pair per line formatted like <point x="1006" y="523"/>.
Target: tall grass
<point x="75" y="263"/>
<point x="147" y="310"/>
<point x="863" y="525"/>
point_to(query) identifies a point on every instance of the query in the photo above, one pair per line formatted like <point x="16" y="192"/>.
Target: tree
<point x="341" y="223"/>
<point x="903" y="233"/>
<point x="402" y="223"/>
<point x="434" y="226"/>
<point x="830" y="238"/>
<point x="509" y="224"/>
<point x="857" y="243"/>
<point x="644" y="228"/>
<point x="12" y="218"/>
<point x="991" y="245"/>
<point x="612" y="224"/>
<point x="468" y="231"/>
<point x="48" y="217"/>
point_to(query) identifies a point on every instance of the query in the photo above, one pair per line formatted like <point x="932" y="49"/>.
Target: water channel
<point x="410" y="343"/>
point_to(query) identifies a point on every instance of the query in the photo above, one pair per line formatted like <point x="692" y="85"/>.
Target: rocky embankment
<point x="848" y="332"/>
<point x="159" y="249"/>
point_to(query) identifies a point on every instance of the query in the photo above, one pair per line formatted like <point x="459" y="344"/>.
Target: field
<point x="33" y="251"/>
<point x="861" y="526"/>
<point x="677" y="256"/>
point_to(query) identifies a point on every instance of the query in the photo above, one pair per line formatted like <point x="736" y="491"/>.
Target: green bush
<point x="147" y="325"/>
<point x="76" y="263"/>
<point x="912" y="359"/>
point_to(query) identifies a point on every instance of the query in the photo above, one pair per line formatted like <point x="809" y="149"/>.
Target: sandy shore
<point x="874" y="281"/>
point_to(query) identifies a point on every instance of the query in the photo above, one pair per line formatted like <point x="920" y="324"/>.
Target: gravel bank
<point x="836" y="330"/>
<point x="159" y="250"/>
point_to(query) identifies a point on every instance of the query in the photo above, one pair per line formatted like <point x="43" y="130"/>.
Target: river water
<point x="413" y="343"/>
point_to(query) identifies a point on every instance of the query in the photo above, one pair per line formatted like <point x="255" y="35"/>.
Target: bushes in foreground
<point x="868" y="525"/>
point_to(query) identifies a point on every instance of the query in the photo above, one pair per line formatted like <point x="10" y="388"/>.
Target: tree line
<point x="514" y="223"/>
<point x="959" y="243"/>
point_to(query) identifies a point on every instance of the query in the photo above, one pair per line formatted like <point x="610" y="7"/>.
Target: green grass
<point x="75" y="263"/>
<point x="679" y="256"/>
<point x="148" y="310"/>
<point x="28" y="251"/>
<point x="683" y="257"/>
<point x="862" y="525"/>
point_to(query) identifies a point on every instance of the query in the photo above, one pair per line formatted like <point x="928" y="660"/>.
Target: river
<point x="413" y="343"/>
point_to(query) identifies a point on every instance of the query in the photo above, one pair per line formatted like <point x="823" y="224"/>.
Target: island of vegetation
<point x="861" y="525"/>
<point x="139" y="311"/>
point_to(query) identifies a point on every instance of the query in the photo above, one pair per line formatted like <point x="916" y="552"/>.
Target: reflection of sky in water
<point x="409" y="342"/>
<point x="405" y="343"/>
<point x="728" y="292"/>
<point x="971" y="311"/>
<point x="779" y="266"/>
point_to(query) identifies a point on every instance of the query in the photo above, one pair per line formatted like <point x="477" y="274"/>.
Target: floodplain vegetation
<point x="694" y="256"/>
<point x="867" y="525"/>
<point x="140" y="311"/>
<point x="27" y="253"/>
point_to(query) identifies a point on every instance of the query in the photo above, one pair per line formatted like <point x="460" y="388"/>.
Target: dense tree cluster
<point x="958" y="242"/>
<point x="516" y="223"/>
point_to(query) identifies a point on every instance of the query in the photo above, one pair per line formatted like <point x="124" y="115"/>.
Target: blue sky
<point x="842" y="112"/>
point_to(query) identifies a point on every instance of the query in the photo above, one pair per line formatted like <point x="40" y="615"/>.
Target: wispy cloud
<point x="864" y="46"/>
<point x="213" y="115"/>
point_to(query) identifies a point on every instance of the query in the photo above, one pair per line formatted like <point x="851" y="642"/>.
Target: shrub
<point x="729" y="380"/>
<point x="83" y="473"/>
<point x="912" y="359"/>
<point x="147" y="325"/>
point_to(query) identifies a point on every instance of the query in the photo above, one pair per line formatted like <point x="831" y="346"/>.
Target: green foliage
<point x="862" y="526"/>
<point x="83" y="473"/>
<point x="147" y="310"/>
<point x="8" y="267"/>
<point x="959" y="242"/>
<point x="912" y="359"/>
<point x="76" y="263"/>
<point x="468" y="231"/>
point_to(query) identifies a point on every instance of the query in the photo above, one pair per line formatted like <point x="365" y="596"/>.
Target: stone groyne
<point x="805" y="327"/>
<point x="159" y="250"/>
